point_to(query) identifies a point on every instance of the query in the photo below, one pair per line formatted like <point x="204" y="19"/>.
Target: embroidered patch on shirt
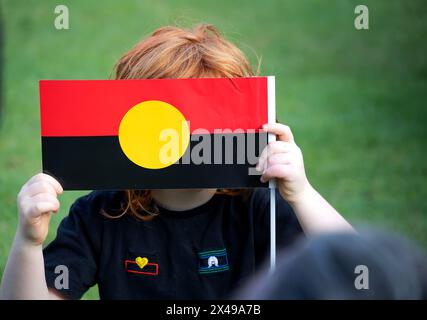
<point x="147" y="268"/>
<point x="213" y="261"/>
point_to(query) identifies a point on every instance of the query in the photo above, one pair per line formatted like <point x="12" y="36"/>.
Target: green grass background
<point x="356" y="100"/>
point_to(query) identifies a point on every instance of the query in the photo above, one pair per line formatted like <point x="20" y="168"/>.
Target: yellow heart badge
<point x="141" y="262"/>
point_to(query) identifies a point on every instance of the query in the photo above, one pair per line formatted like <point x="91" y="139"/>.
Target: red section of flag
<point x="96" y="107"/>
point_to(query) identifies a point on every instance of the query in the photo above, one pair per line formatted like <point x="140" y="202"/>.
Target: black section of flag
<point x="86" y="163"/>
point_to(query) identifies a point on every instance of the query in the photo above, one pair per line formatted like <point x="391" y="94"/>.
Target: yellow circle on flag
<point x="154" y="134"/>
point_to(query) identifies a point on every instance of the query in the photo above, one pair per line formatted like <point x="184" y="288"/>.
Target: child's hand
<point x="282" y="159"/>
<point x="36" y="200"/>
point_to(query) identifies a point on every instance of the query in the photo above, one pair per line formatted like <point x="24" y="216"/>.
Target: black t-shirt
<point x="202" y="253"/>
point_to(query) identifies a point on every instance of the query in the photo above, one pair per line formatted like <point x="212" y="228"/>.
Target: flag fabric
<point x="155" y="133"/>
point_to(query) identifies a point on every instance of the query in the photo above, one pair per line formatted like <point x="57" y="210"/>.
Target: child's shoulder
<point x="98" y="202"/>
<point x="256" y="201"/>
<point x="259" y="202"/>
<point x="259" y="198"/>
<point x="254" y="196"/>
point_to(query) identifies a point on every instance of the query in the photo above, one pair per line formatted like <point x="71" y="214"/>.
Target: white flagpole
<point x="272" y="187"/>
<point x="272" y="184"/>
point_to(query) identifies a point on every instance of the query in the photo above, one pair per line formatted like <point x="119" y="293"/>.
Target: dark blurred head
<point x="324" y="268"/>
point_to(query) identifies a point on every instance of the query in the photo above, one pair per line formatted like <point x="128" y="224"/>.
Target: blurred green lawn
<point x="356" y="100"/>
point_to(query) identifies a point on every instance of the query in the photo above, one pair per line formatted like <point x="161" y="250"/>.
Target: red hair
<point x="174" y="52"/>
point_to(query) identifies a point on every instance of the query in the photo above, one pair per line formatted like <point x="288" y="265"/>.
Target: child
<point x="160" y="244"/>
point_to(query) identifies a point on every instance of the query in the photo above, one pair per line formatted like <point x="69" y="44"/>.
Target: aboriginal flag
<point x="155" y="133"/>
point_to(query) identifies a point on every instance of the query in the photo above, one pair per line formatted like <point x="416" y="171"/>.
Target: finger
<point x="30" y="205"/>
<point x="278" y="158"/>
<point x="45" y="177"/>
<point x="35" y="178"/>
<point x="282" y="131"/>
<point x="272" y="148"/>
<point x="39" y="187"/>
<point x="43" y="208"/>
<point x="42" y="197"/>
<point x="47" y="197"/>
<point x="280" y="171"/>
<point x="275" y="159"/>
